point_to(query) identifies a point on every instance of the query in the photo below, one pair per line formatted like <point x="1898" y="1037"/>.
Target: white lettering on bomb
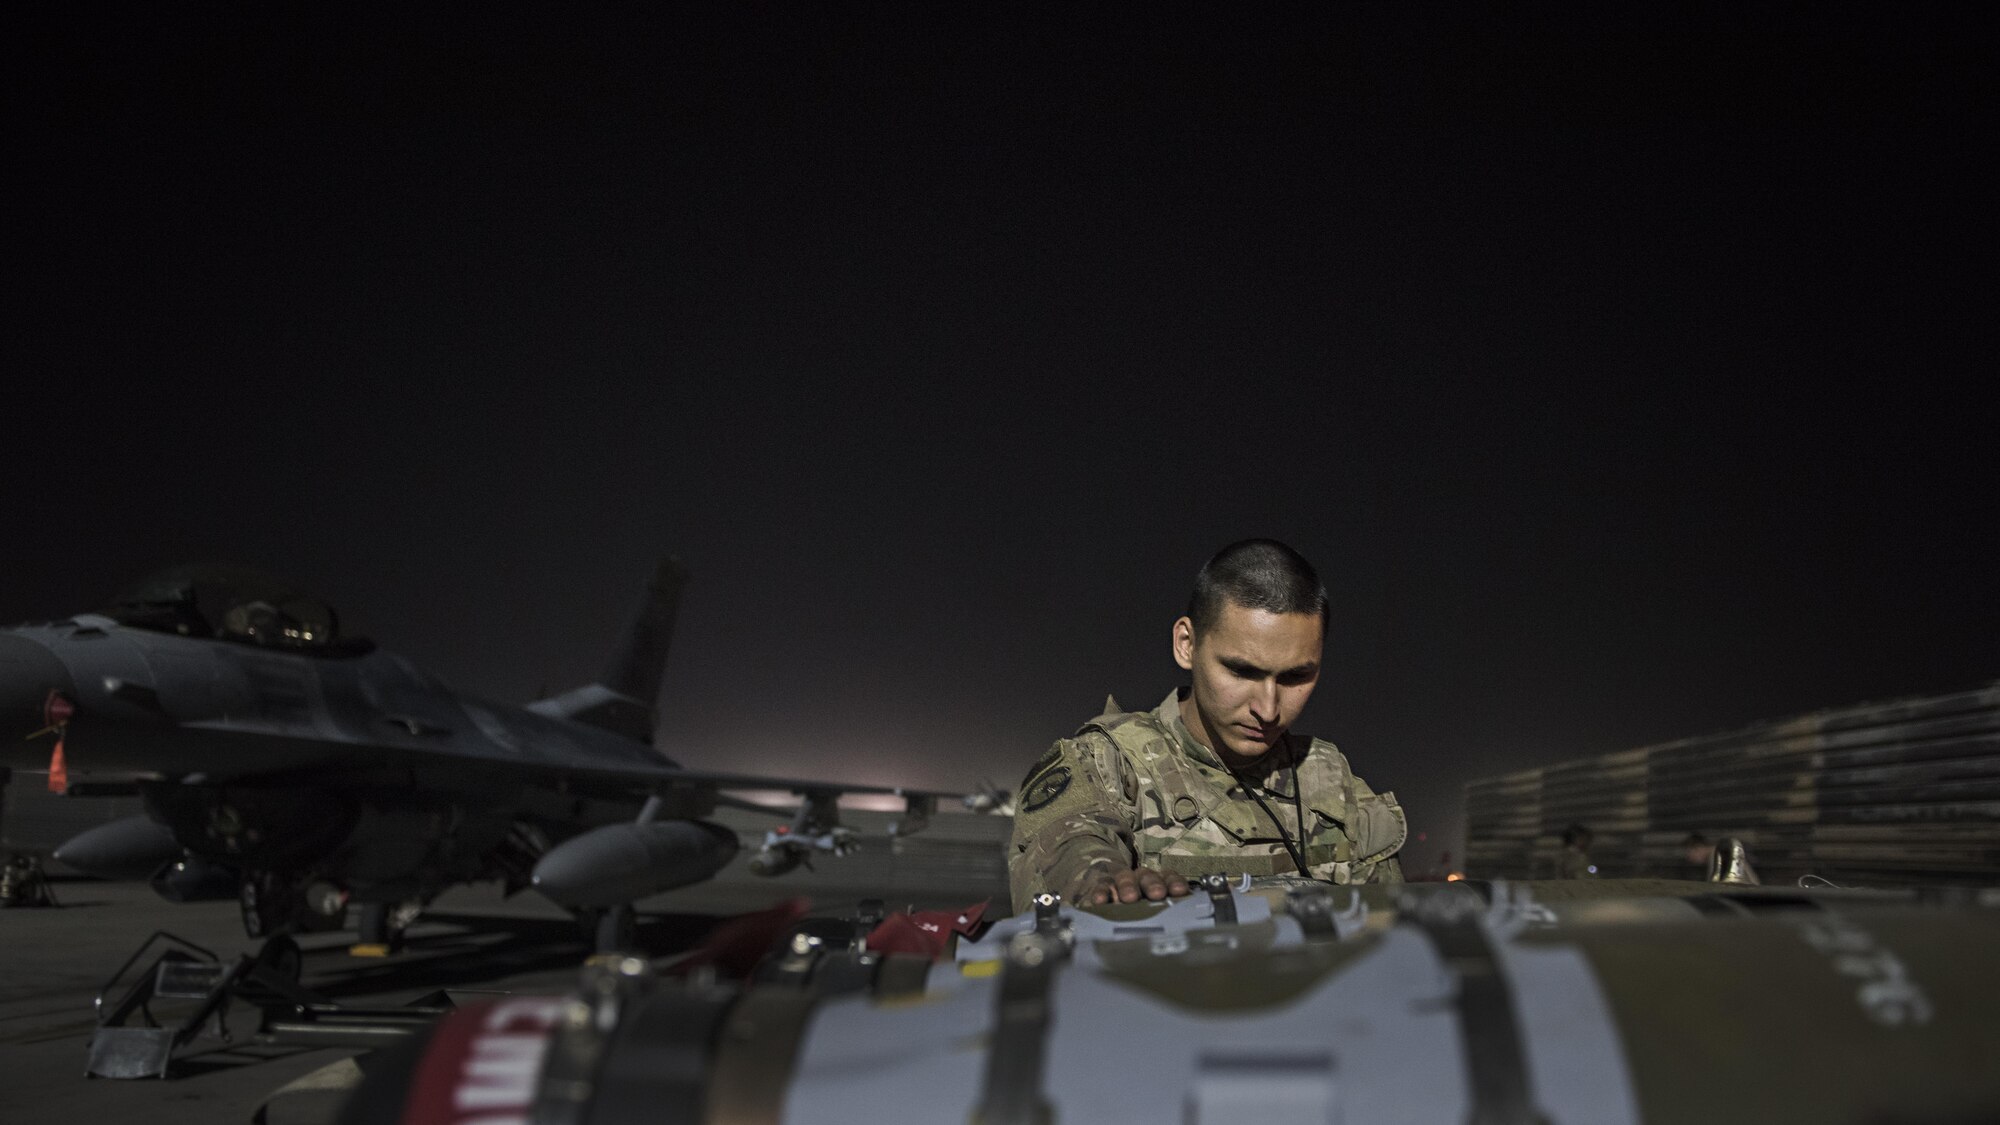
<point x="1887" y="993"/>
<point x="504" y="1061"/>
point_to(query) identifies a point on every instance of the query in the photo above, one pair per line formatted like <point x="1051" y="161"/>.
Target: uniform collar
<point x="1168" y="715"/>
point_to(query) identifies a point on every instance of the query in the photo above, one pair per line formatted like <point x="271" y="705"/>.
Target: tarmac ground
<point x="53" y="963"/>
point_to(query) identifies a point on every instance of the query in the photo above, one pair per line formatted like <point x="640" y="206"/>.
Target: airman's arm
<point x="1383" y="829"/>
<point x="1073" y="822"/>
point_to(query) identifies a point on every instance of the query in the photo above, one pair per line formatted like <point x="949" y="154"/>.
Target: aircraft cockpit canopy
<point x="233" y="604"/>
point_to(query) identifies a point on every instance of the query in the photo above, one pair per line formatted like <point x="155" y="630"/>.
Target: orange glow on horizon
<point x="782" y="800"/>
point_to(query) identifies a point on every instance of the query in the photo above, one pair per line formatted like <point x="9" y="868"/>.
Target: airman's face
<point x="1253" y="672"/>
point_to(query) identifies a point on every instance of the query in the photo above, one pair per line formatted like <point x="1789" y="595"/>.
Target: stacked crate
<point x="1876" y="794"/>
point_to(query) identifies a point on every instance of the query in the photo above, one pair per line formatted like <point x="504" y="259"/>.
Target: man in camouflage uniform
<point x="1212" y="780"/>
<point x="1574" y="862"/>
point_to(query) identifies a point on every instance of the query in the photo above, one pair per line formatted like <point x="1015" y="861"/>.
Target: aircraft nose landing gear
<point x="275" y="904"/>
<point x="268" y="905"/>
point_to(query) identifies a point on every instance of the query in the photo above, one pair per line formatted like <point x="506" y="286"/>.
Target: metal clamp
<point x="582" y="1037"/>
<point x="1220" y="898"/>
<point x="1011" y="1093"/>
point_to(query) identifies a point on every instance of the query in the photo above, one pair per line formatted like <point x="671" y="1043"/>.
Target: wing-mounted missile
<point x="815" y="827"/>
<point x="132" y="847"/>
<point x="990" y="798"/>
<point x="618" y="863"/>
<point x="137" y="847"/>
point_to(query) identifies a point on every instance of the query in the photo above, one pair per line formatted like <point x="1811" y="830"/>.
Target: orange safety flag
<point x="58" y="773"/>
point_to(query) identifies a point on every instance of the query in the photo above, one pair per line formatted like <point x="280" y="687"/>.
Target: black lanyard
<point x="1296" y="851"/>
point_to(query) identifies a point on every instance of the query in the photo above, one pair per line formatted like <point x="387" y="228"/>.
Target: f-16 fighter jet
<point x="301" y="770"/>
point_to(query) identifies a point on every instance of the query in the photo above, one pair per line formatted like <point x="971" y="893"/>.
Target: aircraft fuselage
<point x="356" y="767"/>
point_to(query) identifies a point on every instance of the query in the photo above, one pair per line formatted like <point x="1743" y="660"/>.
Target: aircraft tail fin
<point x="623" y="699"/>
<point x="641" y="660"/>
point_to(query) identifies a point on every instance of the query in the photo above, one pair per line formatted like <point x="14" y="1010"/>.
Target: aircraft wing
<point x="220" y="753"/>
<point x="744" y="781"/>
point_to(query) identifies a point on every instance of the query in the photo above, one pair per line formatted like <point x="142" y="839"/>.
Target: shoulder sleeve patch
<point x="1042" y="763"/>
<point x="1043" y="788"/>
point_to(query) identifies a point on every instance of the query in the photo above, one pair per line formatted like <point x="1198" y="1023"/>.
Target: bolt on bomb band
<point x="1213" y="780"/>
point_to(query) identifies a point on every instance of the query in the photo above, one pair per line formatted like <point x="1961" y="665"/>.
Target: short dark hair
<point x="1255" y="574"/>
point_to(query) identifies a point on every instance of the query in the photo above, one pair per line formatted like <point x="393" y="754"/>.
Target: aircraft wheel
<point x="281" y="955"/>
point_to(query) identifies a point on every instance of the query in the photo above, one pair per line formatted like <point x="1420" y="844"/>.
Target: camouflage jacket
<point x="1135" y="789"/>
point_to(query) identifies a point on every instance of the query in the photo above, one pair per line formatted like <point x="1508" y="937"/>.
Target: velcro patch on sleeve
<point x="1042" y="763"/>
<point x="1042" y="790"/>
<point x="1382" y="828"/>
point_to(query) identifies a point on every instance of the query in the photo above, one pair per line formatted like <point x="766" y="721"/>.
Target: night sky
<point x="1626" y="374"/>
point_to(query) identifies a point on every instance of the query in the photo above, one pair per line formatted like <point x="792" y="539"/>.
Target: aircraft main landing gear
<point x="382" y="926"/>
<point x="274" y="904"/>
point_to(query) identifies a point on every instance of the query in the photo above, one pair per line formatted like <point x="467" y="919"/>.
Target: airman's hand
<point x="1131" y="886"/>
